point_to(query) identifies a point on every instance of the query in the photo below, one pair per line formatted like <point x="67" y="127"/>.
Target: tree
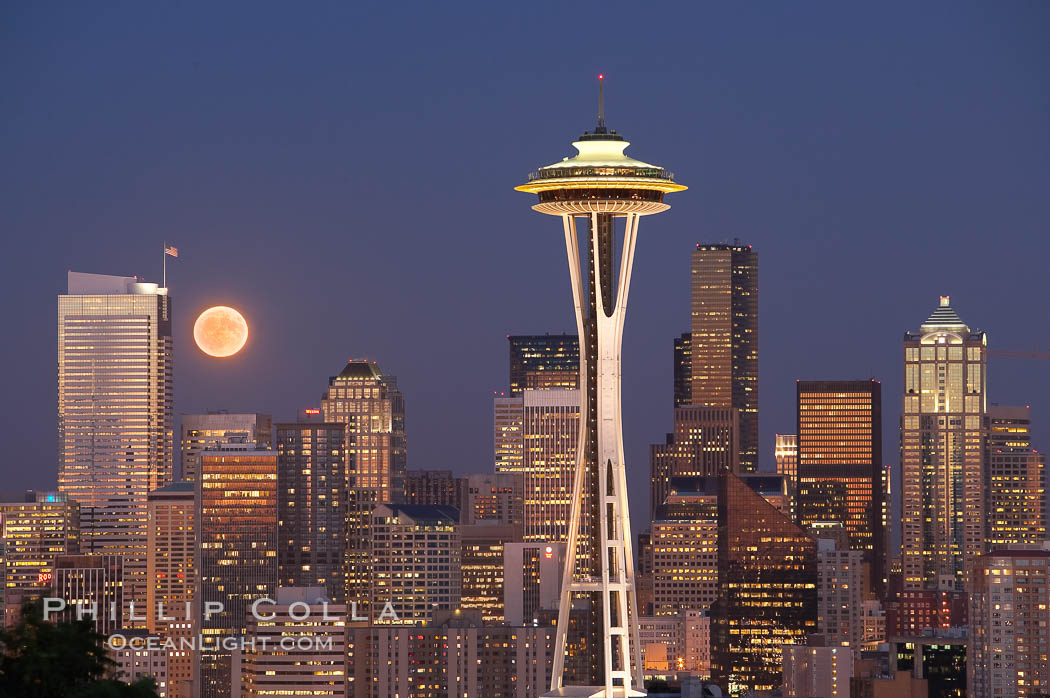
<point x="59" y="659"/>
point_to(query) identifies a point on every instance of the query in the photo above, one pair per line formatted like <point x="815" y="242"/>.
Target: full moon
<point x="220" y="331"/>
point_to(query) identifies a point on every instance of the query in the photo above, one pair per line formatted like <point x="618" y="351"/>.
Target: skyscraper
<point x="683" y="369"/>
<point x="724" y="337"/>
<point x="34" y="533"/>
<point x="237" y="491"/>
<point x="685" y="547"/>
<point x="416" y="551"/>
<point x="599" y="185"/>
<point x="202" y="431"/>
<point x="508" y="441"/>
<point x="942" y="450"/>
<point x="173" y="573"/>
<point x="1009" y="636"/>
<point x="839" y="477"/>
<point x="1015" y="480"/>
<point x="312" y="506"/>
<point x="544" y="361"/>
<point x="369" y="403"/>
<point x="115" y="418"/>
<point x="549" y="438"/>
<point x="767" y="588"/>
<point x="705" y="442"/>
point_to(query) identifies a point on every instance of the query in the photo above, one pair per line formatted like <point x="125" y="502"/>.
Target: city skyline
<point x="813" y="156"/>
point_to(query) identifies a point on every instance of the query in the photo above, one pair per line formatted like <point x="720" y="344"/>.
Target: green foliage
<point x="47" y="659"/>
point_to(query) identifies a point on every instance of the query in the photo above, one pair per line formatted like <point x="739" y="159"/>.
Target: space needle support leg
<point x="572" y="250"/>
<point x="620" y="482"/>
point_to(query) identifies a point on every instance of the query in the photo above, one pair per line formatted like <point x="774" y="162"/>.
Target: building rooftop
<point x="360" y="369"/>
<point x="944" y="318"/>
<point x="80" y="283"/>
<point x="176" y="488"/>
<point x="423" y="513"/>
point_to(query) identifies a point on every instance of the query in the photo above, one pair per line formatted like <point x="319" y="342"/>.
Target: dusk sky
<point x="343" y="174"/>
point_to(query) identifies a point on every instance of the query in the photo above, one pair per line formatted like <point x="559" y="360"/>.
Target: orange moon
<point x="220" y="331"/>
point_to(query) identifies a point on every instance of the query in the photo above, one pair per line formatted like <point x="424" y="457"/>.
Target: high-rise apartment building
<point x="543" y="362"/>
<point x="724" y="338"/>
<point x="685" y="547"/>
<point x="1015" y="480"/>
<point x="705" y="442"/>
<point x="115" y="418"/>
<point x="173" y="574"/>
<point x="767" y="588"/>
<point x="417" y="554"/>
<point x="372" y="407"/>
<point x="841" y="582"/>
<point x="199" y="432"/>
<point x="34" y="533"/>
<point x="839" y="478"/>
<point x="683" y="369"/>
<point x="237" y="553"/>
<point x="300" y="646"/>
<point x="312" y="506"/>
<point x="550" y="428"/>
<point x="942" y="450"/>
<point x="1009" y="640"/>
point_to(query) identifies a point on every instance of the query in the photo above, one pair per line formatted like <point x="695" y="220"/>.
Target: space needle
<point x="596" y="187"/>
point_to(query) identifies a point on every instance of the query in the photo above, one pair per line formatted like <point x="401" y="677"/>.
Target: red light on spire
<point x="601" y="76"/>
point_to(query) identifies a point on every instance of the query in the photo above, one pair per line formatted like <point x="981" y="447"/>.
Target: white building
<point x="532" y="576"/>
<point x="299" y="646"/>
<point x="115" y="412"/>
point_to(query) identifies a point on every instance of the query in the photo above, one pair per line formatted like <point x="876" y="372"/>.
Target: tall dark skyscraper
<point x="312" y="506"/>
<point x="839" y="470"/>
<point x="767" y="589"/>
<point x="237" y="553"/>
<point x="369" y="403"/>
<point x="724" y="337"/>
<point x="683" y="369"/>
<point x="543" y="361"/>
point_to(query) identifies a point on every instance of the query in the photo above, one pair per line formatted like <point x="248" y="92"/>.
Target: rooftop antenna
<point x="601" y="104"/>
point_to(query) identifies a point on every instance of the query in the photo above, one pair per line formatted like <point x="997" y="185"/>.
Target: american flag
<point x="171" y="250"/>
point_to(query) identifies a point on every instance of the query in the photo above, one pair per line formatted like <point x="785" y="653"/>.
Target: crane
<point x="1016" y="354"/>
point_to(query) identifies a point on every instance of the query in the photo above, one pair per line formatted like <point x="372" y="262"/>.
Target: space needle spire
<point x="592" y="192"/>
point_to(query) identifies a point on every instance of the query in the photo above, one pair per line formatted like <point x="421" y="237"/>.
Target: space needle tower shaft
<point x="593" y="192"/>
